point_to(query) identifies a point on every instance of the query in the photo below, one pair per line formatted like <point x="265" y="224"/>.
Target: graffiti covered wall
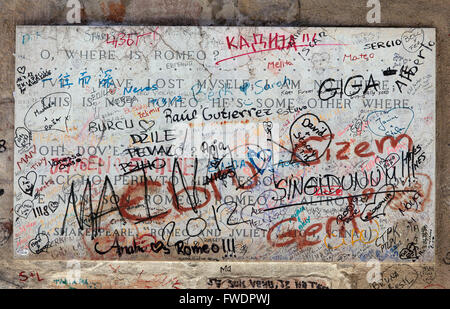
<point x="238" y="143"/>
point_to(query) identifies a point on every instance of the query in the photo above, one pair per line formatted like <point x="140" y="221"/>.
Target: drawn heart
<point x="412" y="40"/>
<point x="146" y="125"/>
<point x="244" y="87"/>
<point x="24" y="210"/>
<point x="39" y="243"/>
<point x="53" y="206"/>
<point x="267" y="125"/>
<point x="22" y="137"/>
<point x="259" y="160"/>
<point x="26" y="183"/>
<point x="415" y="196"/>
<point x="21" y="69"/>
<point x="407" y="278"/>
<point x="389" y="162"/>
<point x="310" y="138"/>
<point x="410" y="252"/>
<point x="390" y="123"/>
<point x="375" y="209"/>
